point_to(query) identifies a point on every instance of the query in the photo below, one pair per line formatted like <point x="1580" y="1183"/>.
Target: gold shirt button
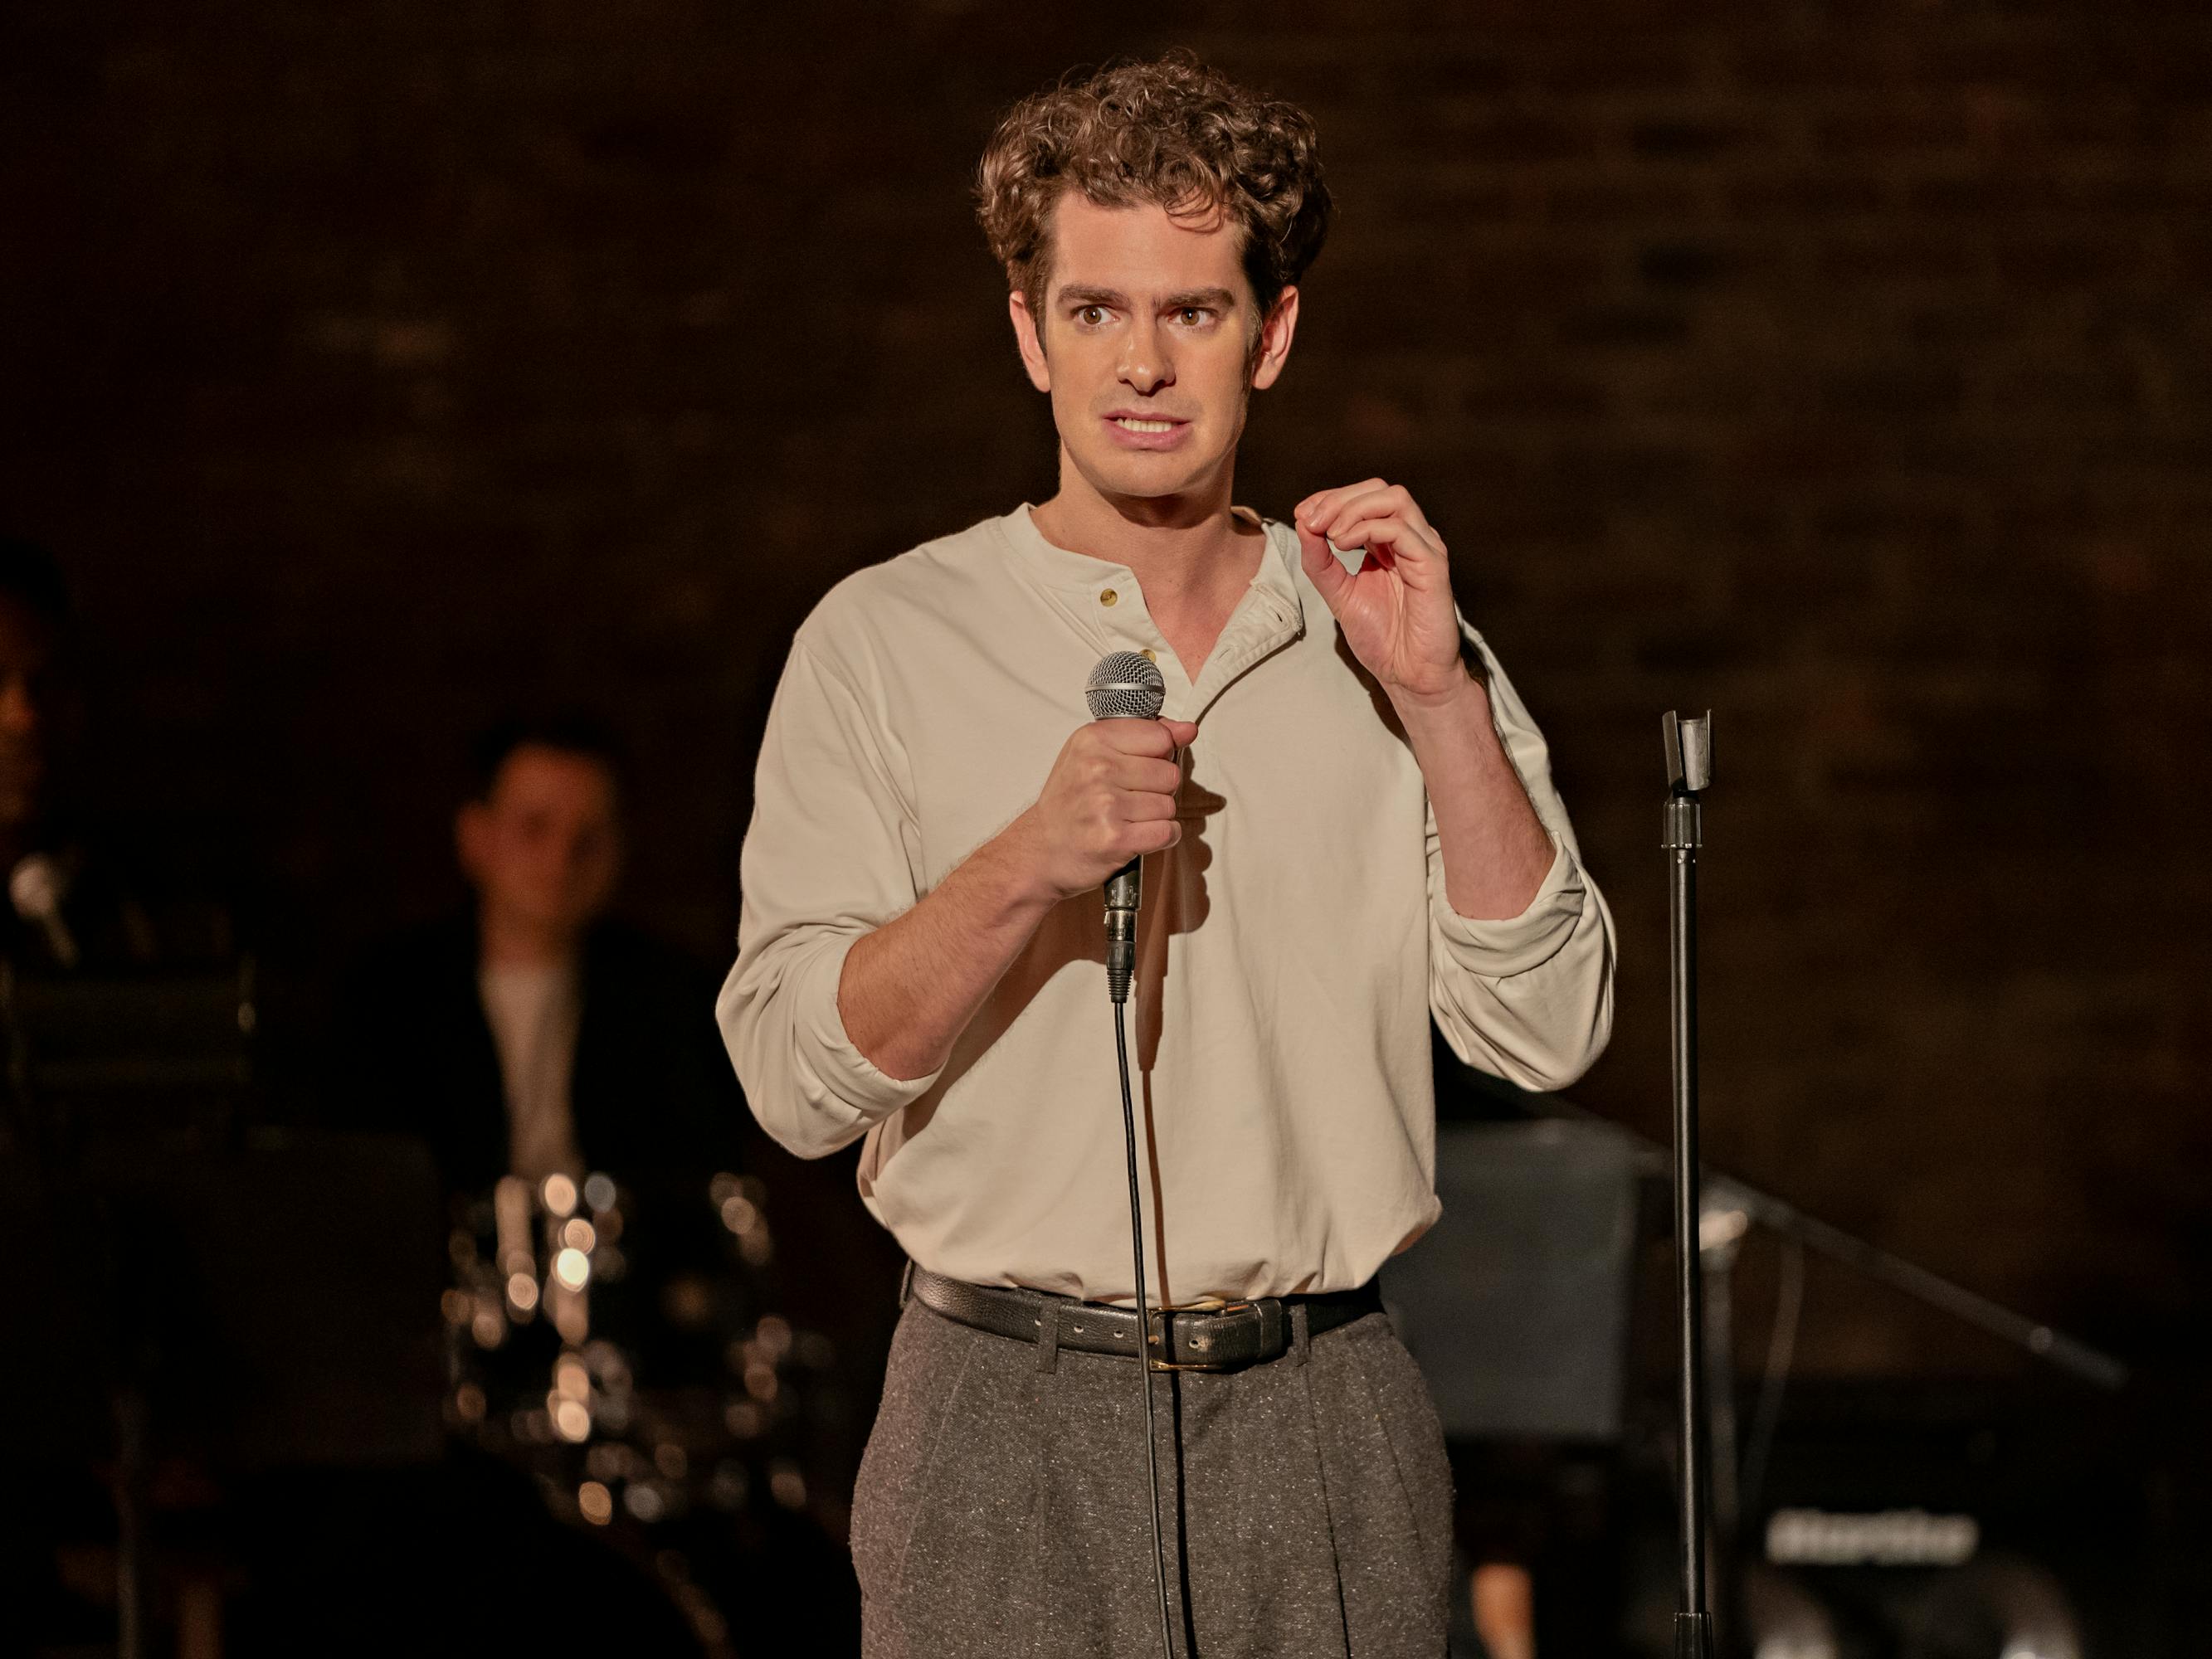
<point x="1109" y="596"/>
<point x="1148" y="656"/>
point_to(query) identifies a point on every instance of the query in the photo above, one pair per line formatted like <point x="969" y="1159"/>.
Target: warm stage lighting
<point x="558" y="1194"/>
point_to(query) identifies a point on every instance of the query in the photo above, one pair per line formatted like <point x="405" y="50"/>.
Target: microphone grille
<point x="1125" y="686"/>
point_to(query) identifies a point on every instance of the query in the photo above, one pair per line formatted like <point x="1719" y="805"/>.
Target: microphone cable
<point x="1144" y="1323"/>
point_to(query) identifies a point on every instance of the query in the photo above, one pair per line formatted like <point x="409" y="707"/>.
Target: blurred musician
<point x="529" y="1033"/>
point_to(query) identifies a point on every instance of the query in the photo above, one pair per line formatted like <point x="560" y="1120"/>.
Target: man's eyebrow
<point x="1219" y="298"/>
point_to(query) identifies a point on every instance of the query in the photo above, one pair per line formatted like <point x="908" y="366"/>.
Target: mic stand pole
<point x="1689" y="770"/>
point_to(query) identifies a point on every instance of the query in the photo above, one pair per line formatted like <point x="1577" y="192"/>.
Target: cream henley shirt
<point x="1292" y="947"/>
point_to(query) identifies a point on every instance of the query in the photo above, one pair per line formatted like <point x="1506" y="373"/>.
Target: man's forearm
<point x="1495" y="851"/>
<point x="909" y="988"/>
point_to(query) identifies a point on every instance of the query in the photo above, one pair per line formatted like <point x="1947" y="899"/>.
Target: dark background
<point x="373" y="369"/>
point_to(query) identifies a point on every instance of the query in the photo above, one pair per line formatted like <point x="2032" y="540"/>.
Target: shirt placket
<point x="1264" y="621"/>
<point x="1126" y="624"/>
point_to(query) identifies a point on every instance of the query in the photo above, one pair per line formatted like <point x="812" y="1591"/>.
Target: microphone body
<point x="1125" y="686"/>
<point x="1125" y="892"/>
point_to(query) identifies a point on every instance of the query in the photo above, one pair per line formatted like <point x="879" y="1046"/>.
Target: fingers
<point x="1128" y="762"/>
<point x="1149" y="737"/>
<point x="1319" y="510"/>
<point x="1329" y="578"/>
<point x="1340" y="515"/>
<point x="1380" y="518"/>
<point x="1401" y="541"/>
<point x="1144" y="776"/>
<point x="1329" y="508"/>
<point x="1156" y="837"/>
<point x="1110" y="796"/>
<point x="1144" y="806"/>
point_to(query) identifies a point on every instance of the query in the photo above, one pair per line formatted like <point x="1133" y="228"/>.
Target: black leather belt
<point x="1224" y="1339"/>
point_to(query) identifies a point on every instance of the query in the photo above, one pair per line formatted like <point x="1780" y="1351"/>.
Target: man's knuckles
<point x="1146" y="738"/>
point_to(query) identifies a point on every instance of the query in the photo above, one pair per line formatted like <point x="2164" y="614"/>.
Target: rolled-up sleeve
<point x="1527" y="998"/>
<point x="831" y="856"/>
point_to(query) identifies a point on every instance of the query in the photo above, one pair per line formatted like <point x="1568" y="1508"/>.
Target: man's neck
<point x="1191" y="555"/>
<point x="510" y="941"/>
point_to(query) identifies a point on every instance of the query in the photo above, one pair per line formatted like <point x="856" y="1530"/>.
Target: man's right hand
<point x="1110" y="797"/>
<point x="908" y="989"/>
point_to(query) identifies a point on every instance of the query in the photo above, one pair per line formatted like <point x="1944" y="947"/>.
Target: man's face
<point x="27" y="710"/>
<point x="1145" y="343"/>
<point x="542" y="847"/>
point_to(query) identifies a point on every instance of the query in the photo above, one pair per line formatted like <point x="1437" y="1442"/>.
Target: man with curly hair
<point x="1348" y="827"/>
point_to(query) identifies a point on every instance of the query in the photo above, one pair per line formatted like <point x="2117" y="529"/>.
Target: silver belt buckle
<point x="1157" y="1337"/>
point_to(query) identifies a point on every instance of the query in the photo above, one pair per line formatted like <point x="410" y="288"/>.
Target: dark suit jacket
<point x="651" y="1091"/>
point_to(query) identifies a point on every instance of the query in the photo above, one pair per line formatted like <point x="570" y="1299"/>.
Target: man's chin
<point x="1145" y="477"/>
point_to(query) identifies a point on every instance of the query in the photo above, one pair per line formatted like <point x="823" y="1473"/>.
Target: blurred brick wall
<point x="1841" y="367"/>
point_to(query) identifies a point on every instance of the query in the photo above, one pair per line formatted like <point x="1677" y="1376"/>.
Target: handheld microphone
<point x="1125" y="686"/>
<point x="36" y="888"/>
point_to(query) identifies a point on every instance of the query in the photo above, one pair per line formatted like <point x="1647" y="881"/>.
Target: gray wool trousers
<point x="1001" y="1509"/>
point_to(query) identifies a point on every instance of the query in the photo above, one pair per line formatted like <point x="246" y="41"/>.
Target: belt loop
<point x="1047" y="1337"/>
<point x="906" y="1283"/>
<point x="1300" y="1332"/>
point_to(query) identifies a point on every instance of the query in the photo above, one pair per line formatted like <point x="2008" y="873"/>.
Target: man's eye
<point x="1192" y="316"/>
<point x="1091" y="316"/>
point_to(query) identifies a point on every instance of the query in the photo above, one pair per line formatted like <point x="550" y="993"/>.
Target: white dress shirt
<point x="534" y="1010"/>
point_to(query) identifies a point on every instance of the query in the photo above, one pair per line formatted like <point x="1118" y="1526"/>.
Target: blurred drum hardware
<point x="1867" y="1525"/>
<point x="668" y="1409"/>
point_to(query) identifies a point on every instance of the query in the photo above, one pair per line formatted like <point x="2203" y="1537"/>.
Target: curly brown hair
<point x="1170" y="131"/>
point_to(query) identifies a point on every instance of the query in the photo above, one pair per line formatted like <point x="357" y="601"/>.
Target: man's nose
<point x="1146" y="364"/>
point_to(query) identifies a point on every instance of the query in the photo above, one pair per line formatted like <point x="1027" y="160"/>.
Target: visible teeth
<point x="1128" y="425"/>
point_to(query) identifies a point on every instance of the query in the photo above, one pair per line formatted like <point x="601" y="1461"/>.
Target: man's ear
<point x="1275" y="334"/>
<point x="1028" y="339"/>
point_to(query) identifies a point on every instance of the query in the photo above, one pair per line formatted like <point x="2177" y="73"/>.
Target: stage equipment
<point x="1707" y="1230"/>
<point x="1900" y="1509"/>
<point x="616" y="1341"/>
<point x="1946" y="1519"/>
<point x="1128" y="685"/>
<point x="1689" y="770"/>
<point x="1516" y="1303"/>
<point x="160" y="1056"/>
<point x="270" y="1307"/>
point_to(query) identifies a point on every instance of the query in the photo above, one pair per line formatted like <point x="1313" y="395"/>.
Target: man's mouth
<point x="1136" y="423"/>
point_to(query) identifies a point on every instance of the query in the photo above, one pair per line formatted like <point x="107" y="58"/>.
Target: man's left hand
<point x="1396" y="612"/>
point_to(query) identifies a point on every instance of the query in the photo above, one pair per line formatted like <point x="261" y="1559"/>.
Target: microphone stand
<point x="1689" y="770"/>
